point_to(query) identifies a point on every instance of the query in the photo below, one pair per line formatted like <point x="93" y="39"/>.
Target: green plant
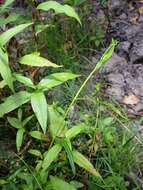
<point x="20" y="126"/>
<point x="35" y="94"/>
<point x="48" y="142"/>
<point x="61" y="136"/>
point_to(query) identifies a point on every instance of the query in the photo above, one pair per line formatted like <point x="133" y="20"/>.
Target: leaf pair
<point x="19" y="125"/>
<point x="77" y="157"/>
<point x="58" y="129"/>
<point x="4" y="67"/>
<point x="38" y="100"/>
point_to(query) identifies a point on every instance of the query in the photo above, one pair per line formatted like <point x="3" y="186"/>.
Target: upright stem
<point x="105" y="57"/>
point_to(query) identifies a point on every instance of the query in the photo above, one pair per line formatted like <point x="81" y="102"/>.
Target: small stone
<point x="123" y="16"/>
<point x="132" y="31"/>
<point x="116" y="92"/>
<point x="138" y="108"/>
<point x="124" y="46"/>
<point x="115" y="5"/>
<point x="116" y="78"/>
<point x="137" y="52"/>
<point x="131" y="100"/>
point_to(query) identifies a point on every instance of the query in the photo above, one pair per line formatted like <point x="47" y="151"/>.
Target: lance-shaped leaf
<point x="19" y="138"/>
<point x="5" y="69"/>
<point x="4" y="7"/>
<point x="80" y="160"/>
<point x="68" y="149"/>
<point x="25" y="121"/>
<point x="14" y="101"/>
<point x="38" y="135"/>
<point x="25" y="80"/>
<point x="59" y="9"/>
<point x="6" y="36"/>
<point x="75" y="130"/>
<point x="11" y="18"/>
<point x="2" y="84"/>
<point x="55" y="80"/>
<point x="14" y="122"/>
<point x="35" y="153"/>
<point x="59" y="184"/>
<point x="51" y="156"/>
<point x="107" y="55"/>
<point x="57" y="123"/>
<point x="39" y="106"/>
<point x="40" y="28"/>
<point x="35" y="60"/>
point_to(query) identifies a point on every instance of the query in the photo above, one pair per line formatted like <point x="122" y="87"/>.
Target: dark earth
<point x="125" y="68"/>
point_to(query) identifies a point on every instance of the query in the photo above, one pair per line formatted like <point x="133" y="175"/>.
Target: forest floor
<point x="114" y="95"/>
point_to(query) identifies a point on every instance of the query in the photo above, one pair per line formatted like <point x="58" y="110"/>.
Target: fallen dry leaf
<point x="134" y="19"/>
<point x="131" y="100"/>
<point x="141" y="10"/>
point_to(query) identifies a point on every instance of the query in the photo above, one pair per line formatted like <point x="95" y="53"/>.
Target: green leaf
<point x="38" y="135"/>
<point x="3" y="182"/>
<point x="77" y="184"/>
<point x="35" y="60"/>
<point x="2" y="84"/>
<point x="14" y="122"/>
<point x="25" y="121"/>
<point x="51" y="156"/>
<point x="11" y="18"/>
<point x="107" y="55"/>
<point x="13" y="102"/>
<point x="6" y="36"/>
<point x="67" y="146"/>
<point x="59" y="184"/>
<point x="57" y="123"/>
<point x="35" y="152"/>
<point x="40" y="28"/>
<point x="6" y="5"/>
<point x="105" y="122"/>
<point x="55" y="80"/>
<point x="5" y="69"/>
<point x="59" y="9"/>
<point x="39" y="106"/>
<point x="80" y="160"/>
<point x="75" y="130"/>
<point x="19" y="138"/>
<point x="19" y="114"/>
<point x="25" y="80"/>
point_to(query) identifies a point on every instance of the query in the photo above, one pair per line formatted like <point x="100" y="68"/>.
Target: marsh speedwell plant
<point x="52" y="130"/>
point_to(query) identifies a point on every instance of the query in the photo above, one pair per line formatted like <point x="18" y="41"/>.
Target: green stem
<point x="106" y="56"/>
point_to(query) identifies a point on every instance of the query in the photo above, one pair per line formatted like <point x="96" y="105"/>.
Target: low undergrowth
<point x="57" y="136"/>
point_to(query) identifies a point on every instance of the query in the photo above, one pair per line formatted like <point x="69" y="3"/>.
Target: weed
<point x="97" y="150"/>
